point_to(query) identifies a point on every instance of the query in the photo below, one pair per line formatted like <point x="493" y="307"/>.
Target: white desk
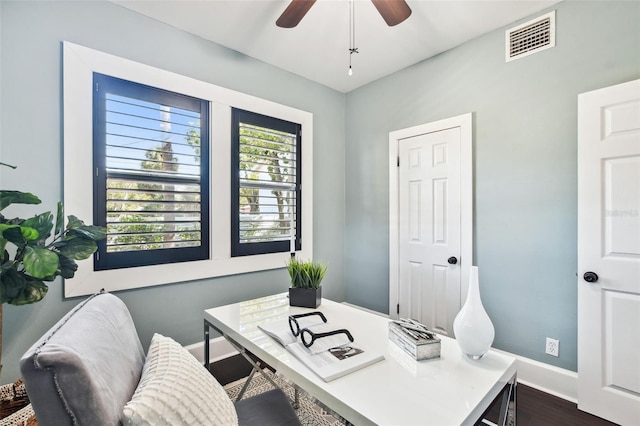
<point x="451" y="390"/>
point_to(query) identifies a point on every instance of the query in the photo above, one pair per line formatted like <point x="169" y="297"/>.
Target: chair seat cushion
<point x="268" y="408"/>
<point x="175" y="389"/>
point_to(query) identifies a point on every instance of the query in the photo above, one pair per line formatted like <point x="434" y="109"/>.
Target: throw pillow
<point x="176" y="390"/>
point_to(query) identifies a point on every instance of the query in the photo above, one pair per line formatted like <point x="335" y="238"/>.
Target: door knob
<point x="590" y="277"/>
<point x="452" y="260"/>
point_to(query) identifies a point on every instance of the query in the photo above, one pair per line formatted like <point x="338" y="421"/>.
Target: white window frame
<point x="79" y="64"/>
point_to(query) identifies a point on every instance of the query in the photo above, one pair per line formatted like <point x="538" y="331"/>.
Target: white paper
<point x="330" y="365"/>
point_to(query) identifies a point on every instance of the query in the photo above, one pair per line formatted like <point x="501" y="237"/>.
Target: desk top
<point x="450" y="390"/>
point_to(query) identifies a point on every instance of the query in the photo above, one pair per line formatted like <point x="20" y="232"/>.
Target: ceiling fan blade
<point x="393" y="11"/>
<point x="294" y="13"/>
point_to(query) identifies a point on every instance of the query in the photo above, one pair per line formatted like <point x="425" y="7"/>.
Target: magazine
<point x="329" y="357"/>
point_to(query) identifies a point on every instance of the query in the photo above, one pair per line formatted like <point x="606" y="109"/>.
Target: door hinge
<point x="398" y="161"/>
<point x="398" y="309"/>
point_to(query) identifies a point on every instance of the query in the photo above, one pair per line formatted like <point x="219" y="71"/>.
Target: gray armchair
<point x="90" y="369"/>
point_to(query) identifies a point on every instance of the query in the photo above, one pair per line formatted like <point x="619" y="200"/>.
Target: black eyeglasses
<point x="308" y="336"/>
<point x="293" y="322"/>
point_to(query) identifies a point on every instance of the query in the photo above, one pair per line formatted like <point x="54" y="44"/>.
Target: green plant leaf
<point x="77" y="248"/>
<point x="43" y="223"/>
<point x="33" y="291"/>
<point x="40" y="262"/>
<point x="59" y="219"/>
<point x="12" y="283"/>
<point x="68" y="267"/>
<point x="13" y="234"/>
<point x="90" y="231"/>
<point x="29" y="233"/>
<point x="5" y="226"/>
<point x="74" y="222"/>
<point x="16" y="197"/>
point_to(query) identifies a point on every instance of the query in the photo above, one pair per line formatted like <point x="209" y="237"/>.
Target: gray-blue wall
<point x="30" y="137"/>
<point x="525" y="166"/>
<point x="524" y="142"/>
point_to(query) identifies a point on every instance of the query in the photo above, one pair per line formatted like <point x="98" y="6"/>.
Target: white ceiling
<point x="318" y="47"/>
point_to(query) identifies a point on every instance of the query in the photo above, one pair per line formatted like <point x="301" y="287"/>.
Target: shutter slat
<point x="113" y="99"/>
<point x="117" y="248"/>
<point x="244" y="127"/>
<point x="158" y="233"/>
<point x="136" y="139"/>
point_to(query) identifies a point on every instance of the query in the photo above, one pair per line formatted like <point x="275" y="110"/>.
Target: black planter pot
<point x="305" y="297"/>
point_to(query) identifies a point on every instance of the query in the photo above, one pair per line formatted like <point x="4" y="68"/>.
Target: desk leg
<point x="206" y="345"/>
<point x="296" y="397"/>
<point x="246" y="384"/>
<point x="508" y="405"/>
<point x="256" y="365"/>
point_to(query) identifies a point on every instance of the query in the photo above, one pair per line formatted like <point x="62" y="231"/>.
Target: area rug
<point x="310" y="411"/>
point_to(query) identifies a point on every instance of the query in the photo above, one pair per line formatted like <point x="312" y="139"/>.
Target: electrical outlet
<point x="552" y="347"/>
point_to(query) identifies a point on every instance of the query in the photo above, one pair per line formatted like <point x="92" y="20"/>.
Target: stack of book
<point x="414" y="339"/>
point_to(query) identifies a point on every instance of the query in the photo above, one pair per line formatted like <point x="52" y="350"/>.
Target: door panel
<point x="429" y="228"/>
<point x="443" y="308"/>
<point x="623" y="343"/>
<point x="622" y="229"/>
<point x="609" y="245"/>
<point x="439" y="204"/>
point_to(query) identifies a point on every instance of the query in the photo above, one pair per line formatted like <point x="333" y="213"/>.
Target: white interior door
<point x="431" y="261"/>
<point x="609" y="248"/>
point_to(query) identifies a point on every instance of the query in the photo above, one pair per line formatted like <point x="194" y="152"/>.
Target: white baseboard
<point x="219" y="348"/>
<point x="547" y="378"/>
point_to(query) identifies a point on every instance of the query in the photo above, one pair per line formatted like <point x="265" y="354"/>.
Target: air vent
<point x="531" y="37"/>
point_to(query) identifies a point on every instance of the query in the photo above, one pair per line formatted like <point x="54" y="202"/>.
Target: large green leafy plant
<point x="39" y="249"/>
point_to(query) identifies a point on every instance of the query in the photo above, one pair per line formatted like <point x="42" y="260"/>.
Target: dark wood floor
<point x="534" y="408"/>
<point x="538" y="408"/>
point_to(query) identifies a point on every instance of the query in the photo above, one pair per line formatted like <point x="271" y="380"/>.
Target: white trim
<point x="465" y="123"/>
<point x="546" y="378"/>
<point x="79" y="65"/>
<point x="219" y="348"/>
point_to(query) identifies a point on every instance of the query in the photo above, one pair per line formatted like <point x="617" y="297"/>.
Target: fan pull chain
<point x="352" y="34"/>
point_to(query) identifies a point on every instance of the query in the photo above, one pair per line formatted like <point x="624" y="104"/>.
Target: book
<point x="329" y="357"/>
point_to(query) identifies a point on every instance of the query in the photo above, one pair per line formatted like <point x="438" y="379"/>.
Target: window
<point x="151" y="184"/>
<point x="193" y="98"/>
<point x="265" y="192"/>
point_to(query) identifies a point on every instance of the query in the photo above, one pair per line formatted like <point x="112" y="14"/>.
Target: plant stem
<point x="1" y="305"/>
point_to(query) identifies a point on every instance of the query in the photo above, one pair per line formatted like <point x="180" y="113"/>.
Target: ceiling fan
<point x="393" y="12"/>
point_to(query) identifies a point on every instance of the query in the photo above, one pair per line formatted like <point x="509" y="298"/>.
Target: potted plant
<point x="38" y="250"/>
<point x="306" y="277"/>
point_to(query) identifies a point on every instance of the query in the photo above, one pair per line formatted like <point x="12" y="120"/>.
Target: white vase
<point x="472" y="326"/>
